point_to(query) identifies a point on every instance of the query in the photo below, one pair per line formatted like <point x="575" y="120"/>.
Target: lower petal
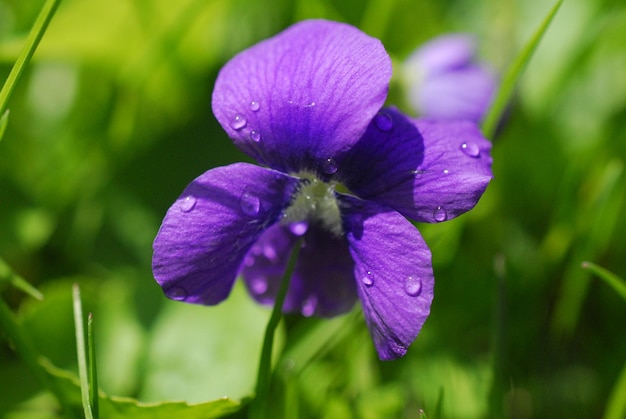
<point x="393" y="273"/>
<point x="208" y="230"/>
<point x="322" y="284"/>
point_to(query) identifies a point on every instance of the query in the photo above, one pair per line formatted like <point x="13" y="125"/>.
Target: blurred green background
<point x="112" y="119"/>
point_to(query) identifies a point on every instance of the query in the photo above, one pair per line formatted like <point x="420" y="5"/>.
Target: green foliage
<point x="111" y="119"/>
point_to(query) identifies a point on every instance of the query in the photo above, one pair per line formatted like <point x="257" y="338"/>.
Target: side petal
<point x="295" y="100"/>
<point x="393" y="273"/>
<point x="322" y="284"/>
<point x="208" y="230"/>
<point x="429" y="171"/>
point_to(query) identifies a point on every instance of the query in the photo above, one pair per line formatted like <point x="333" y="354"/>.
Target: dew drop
<point x="270" y="253"/>
<point x="238" y="122"/>
<point x="176" y="292"/>
<point x="383" y="121"/>
<point x="249" y="261"/>
<point x="255" y="106"/>
<point x="412" y="286"/>
<point x="255" y="136"/>
<point x="259" y="285"/>
<point x="446" y="171"/>
<point x="368" y="279"/>
<point x="299" y="228"/>
<point x="471" y="149"/>
<point x="440" y="214"/>
<point x="308" y="306"/>
<point x="250" y="203"/>
<point x="329" y="166"/>
<point x="188" y="204"/>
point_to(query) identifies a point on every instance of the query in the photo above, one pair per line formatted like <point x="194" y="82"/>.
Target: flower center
<point x="315" y="201"/>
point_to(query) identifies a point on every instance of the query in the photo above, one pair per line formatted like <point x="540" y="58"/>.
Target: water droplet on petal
<point x="255" y="106"/>
<point x="446" y="171"/>
<point x="368" y="279"/>
<point x="255" y="136"/>
<point x="299" y="228"/>
<point x="471" y="149"/>
<point x="259" y="285"/>
<point x="238" y="122"/>
<point x="176" y="292"/>
<point x="248" y="261"/>
<point x="250" y="203"/>
<point x="440" y="214"/>
<point x="270" y="253"/>
<point x="413" y="286"/>
<point x="329" y="166"/>
<point x="383" y="121"/>
<point x="188" y="204"/>
<point x="308" y="306"/>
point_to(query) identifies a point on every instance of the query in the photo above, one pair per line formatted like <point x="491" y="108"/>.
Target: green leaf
<point x="7" y="274"/>
<point x="200" y="353"/>
<point x="615" y="282"/>
<point x="112" y="407"/>
<point x="514" y="73"/>
<point x="36" y="33"/>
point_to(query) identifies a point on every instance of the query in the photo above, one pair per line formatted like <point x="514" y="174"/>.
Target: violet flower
<point x="340" y="173"/>
<point x="446" y="81"/>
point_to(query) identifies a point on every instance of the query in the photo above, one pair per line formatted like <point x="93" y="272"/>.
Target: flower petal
<point x="297" y="99"/>
<point x="208" y="230"/>
<point x="322" y="284"/>
<point x="394" y="274"/>
<point x="442" y="54"/>
<point x="429" y="171"/>
<point x="462" y="94"/>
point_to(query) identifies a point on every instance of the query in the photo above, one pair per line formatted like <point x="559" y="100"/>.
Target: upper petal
<point x="208" y="230"/>
<point x="322" y="283"/>
<point x="296" y="100"/>
<point x="393" y="272"/>
<point x="429" y="171"/>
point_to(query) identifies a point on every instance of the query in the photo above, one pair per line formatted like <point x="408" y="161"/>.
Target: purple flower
<point x="340" y="173"/>
<point x="445" y="80"/>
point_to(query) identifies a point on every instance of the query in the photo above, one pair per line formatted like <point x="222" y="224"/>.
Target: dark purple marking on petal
<point x="209" y="229"/>
<point x="429" y="171"/>
<point x="322" y="284"/>
<point x="308" y="93"/>
<point x="395" y="281"/>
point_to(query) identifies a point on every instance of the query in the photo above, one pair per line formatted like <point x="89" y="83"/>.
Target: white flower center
<point x="315" y="201"/>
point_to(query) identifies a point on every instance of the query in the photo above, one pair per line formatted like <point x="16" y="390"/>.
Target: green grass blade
<point x="616" y="406"/>
<point x="4" y="120"/>
<point x="514" y="73"/>
<point x="7" y="274"/>
<point x="83" y="371"/>
<point x="36" y="33"/>
<point x="93" y="373"/>
<point x="615" y="282"/>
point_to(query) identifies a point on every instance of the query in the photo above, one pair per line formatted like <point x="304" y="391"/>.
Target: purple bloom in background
<point x="445" y="80"/>
<point x="339" y="172"/>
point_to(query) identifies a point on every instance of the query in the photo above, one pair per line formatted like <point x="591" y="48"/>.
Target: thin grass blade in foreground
<point x="36" y="33"/>
<point x="514" y="73"/>
<point x="83" y="368"/>
<point x="7" y="274"/>
<point x="608" y="277"/>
